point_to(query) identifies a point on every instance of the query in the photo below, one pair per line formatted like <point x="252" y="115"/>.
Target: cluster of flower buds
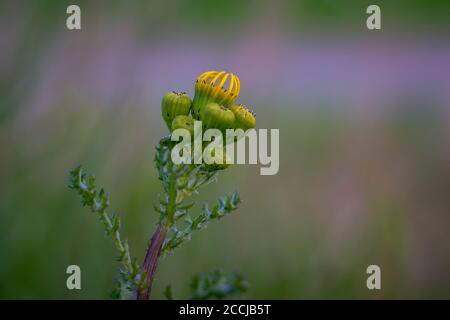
<point x="213" y="104"/>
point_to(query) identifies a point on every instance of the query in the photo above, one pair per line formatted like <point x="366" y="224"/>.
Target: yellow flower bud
<point x="212" y="86"/>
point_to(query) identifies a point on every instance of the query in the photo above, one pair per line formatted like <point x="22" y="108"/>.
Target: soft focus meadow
<point x="364" y="119"/>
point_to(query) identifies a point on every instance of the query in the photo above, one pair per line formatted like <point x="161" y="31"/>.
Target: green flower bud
<point x="244" y="118"/>
<point x="216" y="116"/>
<point x="212" y="86"/>
<point x="174" y="104"/>
<point x="183" y="122"/>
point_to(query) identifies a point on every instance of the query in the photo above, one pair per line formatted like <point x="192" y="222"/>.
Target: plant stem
<point x="157" y="240"/>
<point x="151" y="261"/>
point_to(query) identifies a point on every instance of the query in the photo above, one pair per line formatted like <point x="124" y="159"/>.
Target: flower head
<point x="211" y="86"/>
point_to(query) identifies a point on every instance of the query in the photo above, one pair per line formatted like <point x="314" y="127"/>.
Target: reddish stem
<point x="151" y="261"/>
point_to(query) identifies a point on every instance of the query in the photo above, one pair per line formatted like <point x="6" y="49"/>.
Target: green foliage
<point x="224" y="207"/>
<point x="98" y="202"/>
<point x="179" y="183"/>
<point x="217" y="285"/>
<point x="214" y="285"/>
<point x="168" y="292"/>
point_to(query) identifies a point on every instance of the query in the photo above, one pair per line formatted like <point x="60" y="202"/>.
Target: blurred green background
<point x="364" y="119"/>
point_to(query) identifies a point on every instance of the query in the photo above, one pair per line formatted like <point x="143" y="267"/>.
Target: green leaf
<point x="168" y="292"/>
<point x="217" y="285"/>
<point x="98" y="202"/>
<point x="223" y="207"/>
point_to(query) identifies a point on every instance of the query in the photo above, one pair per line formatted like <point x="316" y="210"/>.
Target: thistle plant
<point x="213" y="105"/>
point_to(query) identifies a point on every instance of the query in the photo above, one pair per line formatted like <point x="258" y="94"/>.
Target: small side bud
<point x="183" y="122"/>
<point x="216" y="116"/>
<point x="245" y="119"/>
<point x="174" y="104"/>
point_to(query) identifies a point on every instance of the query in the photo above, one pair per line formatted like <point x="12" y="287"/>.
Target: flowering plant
<point x="213" y="104"/>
